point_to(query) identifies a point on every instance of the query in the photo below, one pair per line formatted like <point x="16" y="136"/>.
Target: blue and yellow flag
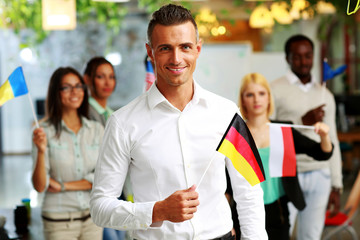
<point x="14" y="86"/>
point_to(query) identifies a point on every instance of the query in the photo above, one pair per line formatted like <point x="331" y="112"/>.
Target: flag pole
<point x="323" y="92"/>
<point x="207" y="168"/>
<point x="31" y="103"/>
<point x="293" y="125"/>
<point x="33" y="111"/>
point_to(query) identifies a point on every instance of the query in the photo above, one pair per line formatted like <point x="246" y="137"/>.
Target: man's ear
<point x="287" y="58"/>
<point x="149" y="52"/>
<point x="199" y="46"/>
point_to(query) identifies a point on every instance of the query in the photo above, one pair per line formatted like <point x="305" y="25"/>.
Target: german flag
<point x="238" y="145"/>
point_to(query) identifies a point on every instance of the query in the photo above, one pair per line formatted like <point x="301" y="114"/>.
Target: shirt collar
<point x="293" y="79"/>
<point x="85" y="123"/>
<point x="99" y="108"/>
<point x="155" y="97"/>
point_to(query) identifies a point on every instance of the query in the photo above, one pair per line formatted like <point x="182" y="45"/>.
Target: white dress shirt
<point x="166" y="150"/>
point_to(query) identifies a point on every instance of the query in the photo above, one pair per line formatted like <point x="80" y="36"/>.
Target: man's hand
<point x="178" y="207"/>
<point x="313" y="115"/>
<point x="334" y="202"/>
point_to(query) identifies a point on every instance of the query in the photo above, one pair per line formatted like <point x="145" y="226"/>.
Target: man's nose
<point x="176" y="56"/>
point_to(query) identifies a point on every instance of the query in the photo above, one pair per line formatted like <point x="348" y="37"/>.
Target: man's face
<point x="300" y="59"/>
<point x="174" y="52"/>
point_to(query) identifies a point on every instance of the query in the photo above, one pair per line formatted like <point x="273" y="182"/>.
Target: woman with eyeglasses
<point x="99" y="76"/>
<point x="65" y="152"/>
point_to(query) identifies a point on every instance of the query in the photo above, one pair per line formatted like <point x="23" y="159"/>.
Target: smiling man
<point x="165" y="139"/>
<point x="300" y="98"/>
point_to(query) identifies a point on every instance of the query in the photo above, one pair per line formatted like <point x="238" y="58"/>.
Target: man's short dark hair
<point x="168" y="15"/>
<point x="296" y="38"/>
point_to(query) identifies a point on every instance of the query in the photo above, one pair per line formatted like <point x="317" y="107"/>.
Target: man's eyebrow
<point x="164" y="45"/>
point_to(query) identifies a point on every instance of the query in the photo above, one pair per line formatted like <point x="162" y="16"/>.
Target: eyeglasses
<point x="77" y="87"/>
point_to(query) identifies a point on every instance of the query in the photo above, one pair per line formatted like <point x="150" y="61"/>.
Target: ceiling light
<point x="115" y="58"/>
<point x="111" y="0"/>
<point x="26" y="54"/>
<point x="325" y="7"/>
<point x="58" y="14"/>
<point x="280" y="13"/>
<point x="261" y="18"/>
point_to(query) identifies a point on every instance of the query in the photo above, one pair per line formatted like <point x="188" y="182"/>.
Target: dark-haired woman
<point x="65" y="151"/>
<point x="99" y="75"/>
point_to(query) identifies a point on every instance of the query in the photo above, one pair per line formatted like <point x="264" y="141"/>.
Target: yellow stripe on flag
<point x="239" y="162"/>
<point x="6" y="93"/>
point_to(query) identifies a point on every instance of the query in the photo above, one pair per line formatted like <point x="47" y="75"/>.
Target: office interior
<point x="234" y="44"/>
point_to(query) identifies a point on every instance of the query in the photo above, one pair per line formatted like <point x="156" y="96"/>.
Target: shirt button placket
<point x="181" y="129"/>
<point x="78" y="156"/>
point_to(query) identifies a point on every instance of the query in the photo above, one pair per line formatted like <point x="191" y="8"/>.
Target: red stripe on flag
<point x="289" y="162"/>
<point x="243" y="148"/>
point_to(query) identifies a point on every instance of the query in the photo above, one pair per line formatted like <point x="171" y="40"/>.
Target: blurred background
<point x="239" y="36"/>
<point x="44" y="35"/>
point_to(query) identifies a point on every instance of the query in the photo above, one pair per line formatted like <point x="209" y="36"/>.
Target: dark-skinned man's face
<point x="300" y="59"/>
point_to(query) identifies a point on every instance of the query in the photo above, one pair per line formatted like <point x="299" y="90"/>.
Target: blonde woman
<point x="256" y="105"/>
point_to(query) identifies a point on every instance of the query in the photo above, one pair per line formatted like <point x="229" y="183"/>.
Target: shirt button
<point x="77" y="155"/>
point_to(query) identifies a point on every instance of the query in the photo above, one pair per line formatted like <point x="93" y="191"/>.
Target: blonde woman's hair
<point x="256" y="78"/>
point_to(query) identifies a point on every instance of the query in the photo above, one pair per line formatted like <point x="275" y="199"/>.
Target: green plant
<point x="26" y="14"/>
